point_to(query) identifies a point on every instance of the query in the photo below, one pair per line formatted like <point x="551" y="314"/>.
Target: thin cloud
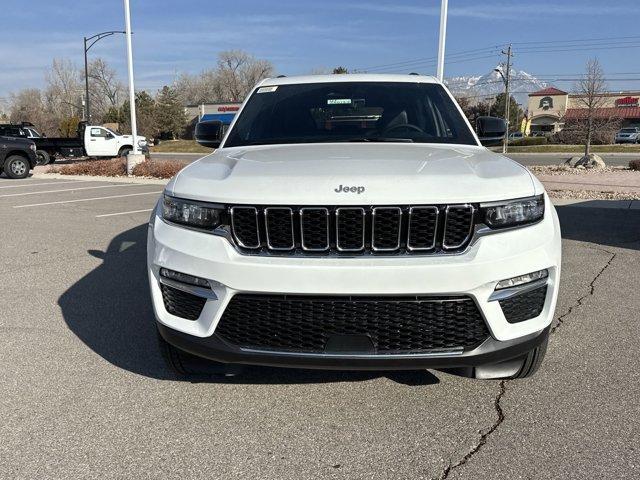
<point x="497" y="10"/>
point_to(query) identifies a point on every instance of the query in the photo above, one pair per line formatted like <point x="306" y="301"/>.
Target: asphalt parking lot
<point x="84" y="392"/>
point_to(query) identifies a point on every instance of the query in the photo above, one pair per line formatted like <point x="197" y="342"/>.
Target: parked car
<point x="628" y="135"/>
<point x="17" y="156"/>
<point x="515" y="136"/>
<point x="91" y="141"/>
<point x="309" y="241"/>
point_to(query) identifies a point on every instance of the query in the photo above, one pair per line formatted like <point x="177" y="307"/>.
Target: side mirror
<point x="491" y="130"/>
<point x="108" y="136"/>
<point x="209" y="133"/>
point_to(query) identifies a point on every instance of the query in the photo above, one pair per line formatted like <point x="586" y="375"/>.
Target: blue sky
<point x="173" y="36"/>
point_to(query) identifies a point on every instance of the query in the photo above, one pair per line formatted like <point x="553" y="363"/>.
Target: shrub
<point x="527" y="141"/>
<point x="156" y="169"/>
<point x="104" y="168"/>
<point x="118" y="168"/>
<point x="634" y="165"/>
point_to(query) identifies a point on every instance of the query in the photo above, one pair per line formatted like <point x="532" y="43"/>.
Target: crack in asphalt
<point x="503" y="383"/>
<point x="483" y="437"/>
<point x="592" y="288"/>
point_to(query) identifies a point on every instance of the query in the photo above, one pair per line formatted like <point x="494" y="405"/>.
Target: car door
<point x="101" y="143"/>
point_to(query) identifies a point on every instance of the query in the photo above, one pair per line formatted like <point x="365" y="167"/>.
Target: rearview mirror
<point x="491" y="130"/>
<point x="209" y="133"/>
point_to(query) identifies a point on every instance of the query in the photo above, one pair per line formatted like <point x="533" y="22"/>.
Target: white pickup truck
<point x="91" y="141"/>
<point x="354" y="222"/>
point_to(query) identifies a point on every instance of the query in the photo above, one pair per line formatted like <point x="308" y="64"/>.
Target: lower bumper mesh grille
<point x="182" y="304"/>
<point x="393" y="325"/>
<point x="524" y="306"/>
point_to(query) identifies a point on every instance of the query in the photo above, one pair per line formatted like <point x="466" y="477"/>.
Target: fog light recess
<point x="522" y="279"/>
<point x="184" y="278"/>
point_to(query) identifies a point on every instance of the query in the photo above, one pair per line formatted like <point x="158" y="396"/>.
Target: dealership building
<point x="225" y="112"/>
<point x="550" y="108"/>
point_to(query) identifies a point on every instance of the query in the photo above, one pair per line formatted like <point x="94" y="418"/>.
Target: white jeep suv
<point x="354" y="222"/>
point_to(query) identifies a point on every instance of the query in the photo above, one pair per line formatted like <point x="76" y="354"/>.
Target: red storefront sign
<point x="627" y="102"/>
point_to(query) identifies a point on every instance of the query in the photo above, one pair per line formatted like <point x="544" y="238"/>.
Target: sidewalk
<point x="621" y="182"/>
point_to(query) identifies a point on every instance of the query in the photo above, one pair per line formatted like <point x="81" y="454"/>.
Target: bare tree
<point x="63" y="94"/>
<point x="196" y="89"/>
<point x="238" y="72"/>
<point x="591" y="88"/>
<point x="235" y="75"/>
<point x="106" y="90"/>
<point x="28" y="105"/>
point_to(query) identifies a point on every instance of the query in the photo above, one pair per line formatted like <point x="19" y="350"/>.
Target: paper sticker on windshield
<point x="339" y="101"/>
<point x="267" y="89"/>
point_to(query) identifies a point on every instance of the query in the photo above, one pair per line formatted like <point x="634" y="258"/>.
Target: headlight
<point x="33" y="147"/>
<point x="190" y="213"/>
<point x="142" y="143"/>
<point x="514" y="212"/>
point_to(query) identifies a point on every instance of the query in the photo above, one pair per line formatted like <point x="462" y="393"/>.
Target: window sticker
<point x="267" y="89"/>
<point x="339" y="101"/>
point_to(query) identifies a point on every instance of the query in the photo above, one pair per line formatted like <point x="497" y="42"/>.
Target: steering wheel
<point x="409" y="126"/>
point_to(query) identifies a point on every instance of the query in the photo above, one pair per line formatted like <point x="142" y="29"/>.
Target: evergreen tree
<point x="170" y="118"/>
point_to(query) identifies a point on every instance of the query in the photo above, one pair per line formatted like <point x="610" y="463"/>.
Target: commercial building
<point x="225" y="112"/>
<point x="549" y="109"/>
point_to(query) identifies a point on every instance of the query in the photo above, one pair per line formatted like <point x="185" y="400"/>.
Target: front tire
<point x="17" y="167"/>
<point x="184" y="364"/>
<point x="533" y="360"/>
<point x="124" y="151"/>
<point x="42" y="157"/>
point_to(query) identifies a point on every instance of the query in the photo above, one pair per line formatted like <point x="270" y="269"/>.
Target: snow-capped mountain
<point x="490" y="84"/>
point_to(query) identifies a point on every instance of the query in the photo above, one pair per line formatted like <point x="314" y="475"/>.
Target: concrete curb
<point x="91" y="178"/>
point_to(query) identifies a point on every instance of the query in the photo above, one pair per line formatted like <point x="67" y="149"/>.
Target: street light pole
<point x="507" y="99"/>
<point x="442" y="40"/>
<point x="132" y="93"/>
<point x="91" y="41"/>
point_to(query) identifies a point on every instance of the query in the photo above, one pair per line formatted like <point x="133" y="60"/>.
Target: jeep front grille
<point x="390" y="325"/>
<point x="353" y="229"/>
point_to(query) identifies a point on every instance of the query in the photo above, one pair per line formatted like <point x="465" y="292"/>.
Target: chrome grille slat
<point x="318" y="240"/>
<point x="243" y="235"/>
<point x="456" y="231"/>
<point x="394" y="226"/>
<point x="341" y="234"/>
<point x="278" y="223"/>
<point x="419" y="228"/>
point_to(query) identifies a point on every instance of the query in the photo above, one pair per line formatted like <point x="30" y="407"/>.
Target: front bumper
<point x="474" y="273"/>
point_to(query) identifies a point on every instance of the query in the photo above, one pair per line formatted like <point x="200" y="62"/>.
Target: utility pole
<point x="443" y="38"/>
<point x="133" y="158"/>
<point x="507" y="100"/>
<point x="88" y="43"/>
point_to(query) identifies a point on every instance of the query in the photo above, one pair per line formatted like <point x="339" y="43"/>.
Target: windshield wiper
<point x="380" y="139"/>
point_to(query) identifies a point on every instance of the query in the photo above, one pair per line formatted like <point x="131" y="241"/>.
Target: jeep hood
<point x="309" y="174"/>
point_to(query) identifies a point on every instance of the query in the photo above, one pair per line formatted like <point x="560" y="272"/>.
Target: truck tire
<point x="17" y="167"/>
<point x="124" y="151"/>
<point x="184" y="364"/>
<point x="43" y="158"/>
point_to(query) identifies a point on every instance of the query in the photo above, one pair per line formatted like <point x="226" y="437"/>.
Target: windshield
<point x="628" y="130"/>
<point x="350" y="112"/>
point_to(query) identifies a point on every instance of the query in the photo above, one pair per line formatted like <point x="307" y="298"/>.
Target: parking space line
<point x="70" y="190"/>
<point x="87" y="199"/>
<point x="124" y="213"/>
<point x="31" y="184"/>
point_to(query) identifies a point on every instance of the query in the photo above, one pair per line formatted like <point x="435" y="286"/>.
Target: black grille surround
<point x="390" y="325"/>
<point x="352" y="230"/>
<point x="182" y="304"/>
<point x="524" y="306"/>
